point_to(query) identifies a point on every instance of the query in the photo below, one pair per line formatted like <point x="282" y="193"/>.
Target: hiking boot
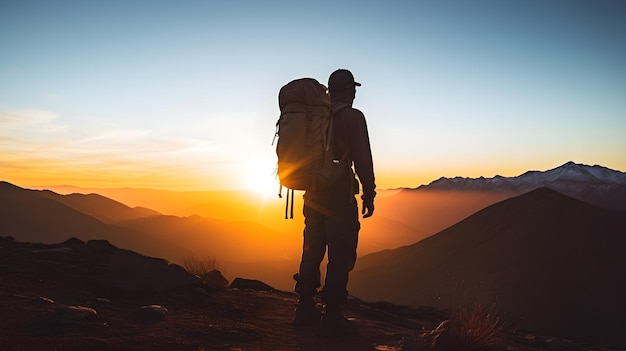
<point x="334" y="324"/>
<point x="306" y="313"/>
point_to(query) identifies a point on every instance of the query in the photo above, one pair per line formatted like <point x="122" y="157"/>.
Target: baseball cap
<point x="341" y="78"/>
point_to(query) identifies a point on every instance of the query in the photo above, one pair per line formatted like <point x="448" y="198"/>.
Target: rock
<point x="72" y="242"/>
<point x="60" y="250"/>
<point x="130" y="271"/>
<point x="44" y="300"/>
<point x="200" y="292"/>
<point x="215" y="280"/>
<point x="100" y="246"/>
<point x="250" y="284"/>
<point x="150" y="314"/>
<point x="79" y="312"/>
<point x="71" y="315"/>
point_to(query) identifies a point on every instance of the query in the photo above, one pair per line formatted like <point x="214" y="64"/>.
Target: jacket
<point x="349" y="135"/>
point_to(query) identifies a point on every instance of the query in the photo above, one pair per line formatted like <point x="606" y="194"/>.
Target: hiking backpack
<point x="305" y="134"/>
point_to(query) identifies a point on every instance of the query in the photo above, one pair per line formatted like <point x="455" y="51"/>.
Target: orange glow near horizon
<point x="86" y="178"/>
<point x="256" y="174"/>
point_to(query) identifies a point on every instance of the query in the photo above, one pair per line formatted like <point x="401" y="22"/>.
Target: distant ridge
<point x="596" y="184"/>
<point x="569" y="172"/>
<point x="552" y="263"/>
<point x="46" y="217"/>
<point x="43" y="216"/>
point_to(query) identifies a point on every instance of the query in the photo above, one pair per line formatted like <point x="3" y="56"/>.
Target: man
<point x="331" y="216"/>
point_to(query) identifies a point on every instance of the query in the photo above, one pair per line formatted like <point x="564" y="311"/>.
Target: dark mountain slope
<point x="34" y="216"/>
<point x="100" y="207"/>
<point x="554" y="264"/>
<point x="430" y="211"/>
<point x="46" y="217"/>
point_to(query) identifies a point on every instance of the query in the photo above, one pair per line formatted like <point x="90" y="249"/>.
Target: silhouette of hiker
<point x="332" y="218"/>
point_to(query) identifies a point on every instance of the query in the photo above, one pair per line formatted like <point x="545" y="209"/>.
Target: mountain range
<point x="403" y="216"/>
<point x="47" y="217"/>
<point x="596" y="184"/>
<point x="547" y="246"/>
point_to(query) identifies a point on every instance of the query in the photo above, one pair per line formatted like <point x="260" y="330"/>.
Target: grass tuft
<point x="200" y="265"/>
<point x="470" y="328"/>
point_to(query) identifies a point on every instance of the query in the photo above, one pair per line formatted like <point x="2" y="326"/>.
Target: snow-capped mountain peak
<point x="573" y="179"/>
<point x="573" y="172"/>
<point x="569" y="172"/>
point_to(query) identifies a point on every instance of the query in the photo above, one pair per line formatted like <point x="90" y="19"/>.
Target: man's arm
<point x="363" y="163"/>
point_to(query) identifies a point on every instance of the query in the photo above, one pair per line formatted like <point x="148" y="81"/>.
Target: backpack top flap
<point x="307" y="91"/>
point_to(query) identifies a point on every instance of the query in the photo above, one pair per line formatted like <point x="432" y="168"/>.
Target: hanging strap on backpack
<point x="288" y="214"/>
<point x="291" y="214"/>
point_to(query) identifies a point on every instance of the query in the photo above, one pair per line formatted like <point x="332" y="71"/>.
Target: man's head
<point x="341" y="85"/>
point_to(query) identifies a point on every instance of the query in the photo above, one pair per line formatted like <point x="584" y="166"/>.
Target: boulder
<point x="250" y="284"/>
<point x="130" y="271"/>
<point x="71" y="315"/>
<point x="215" y="280"/>
<point x="150" y="314"/>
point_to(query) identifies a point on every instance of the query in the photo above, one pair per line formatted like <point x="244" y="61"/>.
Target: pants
<point x="336" y="227"/>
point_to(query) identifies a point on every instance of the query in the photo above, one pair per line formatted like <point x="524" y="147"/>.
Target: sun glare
<point x="260" y="176"/>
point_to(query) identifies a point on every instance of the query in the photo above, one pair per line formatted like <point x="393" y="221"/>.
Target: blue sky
<point x="184" y="94"/>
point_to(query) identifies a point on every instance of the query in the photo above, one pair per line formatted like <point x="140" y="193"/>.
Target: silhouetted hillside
<point x="402" y="217"/>
<point x="46" y="217"/>
<point x="429" y="211"/>
<point x="38" y="216"/>
<point x="100" y="207"/>
<point x="553" y="264"/>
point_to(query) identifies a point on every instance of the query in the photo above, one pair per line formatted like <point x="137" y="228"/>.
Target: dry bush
<point x="470" y="328"/>
<point x="200" y="265"/>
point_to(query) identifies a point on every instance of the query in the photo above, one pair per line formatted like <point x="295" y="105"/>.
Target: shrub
<point x="470" y="328"/>
<point x="200" y="265"/>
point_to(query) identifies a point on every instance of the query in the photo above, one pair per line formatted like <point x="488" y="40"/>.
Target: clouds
<point x="27" y="130"/>
<point x="10" y="119"/>
<point x="41" y="144"/>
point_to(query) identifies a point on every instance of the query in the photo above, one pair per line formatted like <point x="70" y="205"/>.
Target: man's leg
<point x="342" y="238"/>
<point x="308" y="278"/>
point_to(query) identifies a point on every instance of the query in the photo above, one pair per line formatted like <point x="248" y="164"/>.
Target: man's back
<point x="351" y="136"/>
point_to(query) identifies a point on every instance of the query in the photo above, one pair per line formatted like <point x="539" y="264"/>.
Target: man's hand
<point x="368" y="208"/>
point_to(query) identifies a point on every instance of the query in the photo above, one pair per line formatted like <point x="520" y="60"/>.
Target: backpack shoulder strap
<point x="333" y="111"/>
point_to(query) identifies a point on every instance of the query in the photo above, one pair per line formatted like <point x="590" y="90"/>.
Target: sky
<point x="183" y="95"/>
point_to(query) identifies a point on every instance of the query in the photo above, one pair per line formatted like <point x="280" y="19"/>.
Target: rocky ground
<point x="93" y="296"/>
